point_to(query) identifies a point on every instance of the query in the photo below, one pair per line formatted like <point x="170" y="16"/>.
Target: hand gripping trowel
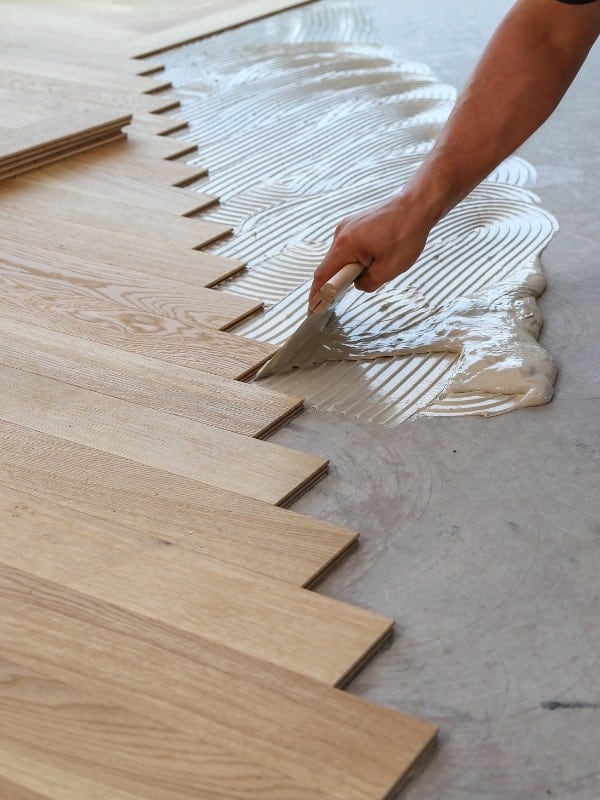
<point x="321" y="309"/>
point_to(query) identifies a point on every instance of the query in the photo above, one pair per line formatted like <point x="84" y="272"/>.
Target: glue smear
<point x="302" y="119"/>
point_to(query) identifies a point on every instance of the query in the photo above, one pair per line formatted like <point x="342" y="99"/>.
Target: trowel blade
<point x="290" y="356"/>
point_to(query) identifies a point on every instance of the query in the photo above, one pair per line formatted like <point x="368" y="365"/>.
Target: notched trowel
<point x="321" y="309"/>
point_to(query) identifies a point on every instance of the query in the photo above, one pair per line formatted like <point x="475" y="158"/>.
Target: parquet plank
<point x="133" y="291"/>
<point x="222" y="525"/>
<point x="88" y="181"/>
<point x="106" y="77"/>
<point x="67" y="92"/>
<point x="156" y="124"/>
<point x="68" y="127"/>
<point x="150" y="254"/>
<point x="43" y="200"/>
<point x="335" y="742"/>
<point x="244" y="408"/>
<point x="250" y="467"/>
<point x="261" y="617"/>
<point x="120" y="158"/>
<point x="194" y="346"/>
<point x="59" y="739"/>
<point x="29" y="779"/>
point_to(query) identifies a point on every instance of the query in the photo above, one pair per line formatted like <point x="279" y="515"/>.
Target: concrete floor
<point x="481" y="537"/>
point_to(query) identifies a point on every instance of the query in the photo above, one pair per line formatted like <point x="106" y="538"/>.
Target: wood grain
<point x="216" y="18"/>
<point x="87" y="181"/>
<point x="57" y="738"/>
<point x="150" y="254"/>
<point x="74" y="93"/>
<point x="220" y="458"/>
<point x="106" y="77"/>
<point x="334" y="741"/>
<point x="264" y="618"/>
<point x="194" y="346"/>
<point x="133" y="291"/>
<point x="216" y="523"/>
<point x="244" y="408"/>
<point x="48" y="201"/>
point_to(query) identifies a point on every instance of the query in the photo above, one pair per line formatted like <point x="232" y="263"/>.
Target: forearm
<point x="525" y="70"/>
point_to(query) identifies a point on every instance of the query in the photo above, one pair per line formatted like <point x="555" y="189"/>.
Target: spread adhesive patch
<point x="304" y="119"/>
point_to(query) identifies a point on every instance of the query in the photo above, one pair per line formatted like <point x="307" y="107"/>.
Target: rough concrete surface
<point x="481" y="537"/>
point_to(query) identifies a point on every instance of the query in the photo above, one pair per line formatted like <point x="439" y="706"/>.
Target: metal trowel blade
<point x="290" y="356"/>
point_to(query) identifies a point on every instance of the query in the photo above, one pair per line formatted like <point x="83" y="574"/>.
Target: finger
<point x="331" y="264"/>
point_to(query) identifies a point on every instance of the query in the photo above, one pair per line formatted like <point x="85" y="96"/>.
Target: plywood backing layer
<point x="157" y="635"/>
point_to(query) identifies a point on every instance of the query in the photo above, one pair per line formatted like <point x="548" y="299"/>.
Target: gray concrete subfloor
<point x="481" y="537"/>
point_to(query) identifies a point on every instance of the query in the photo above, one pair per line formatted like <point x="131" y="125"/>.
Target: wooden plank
<point x="149" y="255"/>
<point x="244" y="408"/>
<point x="217" y="17"/>
<point x="64" y="741"/>
<point x="194" y="346"/>
<point x="35" y="780"/>
<point x="266" y="618"/>
<point x="58" y="155"/>
<point x="121" y="159"/>
<point x="131" y="290"/>
<point x="49" y="201"/>
<point x="31" y="138"/>
<point x="14" y="165"/>
<point x="220" y="458"/>
<point x="156" y="124"/>
<point x="87" y="181"/>
<point x="166" y="147"/>
<point x="222" y="525"/>
<point x="338" y="743"/>
<point x="76" y="73"/>
<point x="68" y="93"/>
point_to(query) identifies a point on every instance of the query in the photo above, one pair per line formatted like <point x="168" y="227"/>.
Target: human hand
<point x="386" y="240"/>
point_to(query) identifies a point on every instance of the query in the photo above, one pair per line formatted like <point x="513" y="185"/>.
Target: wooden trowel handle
<point x="334" y="287"/>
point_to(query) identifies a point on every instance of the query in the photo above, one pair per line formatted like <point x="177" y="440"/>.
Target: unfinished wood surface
<point x="261" y="617"/>
<point x="142" y="333"/>
<point x="44" y="200"/>
<point x="220" y="458"/>
<point x="46" y="140"/>
<point x="68" y="93"/>
<point x="127" y="159"/>
<point x="106" y="77"/>
<point x="55" y="218"/>
<point x="62" y="741"/>
<point x="244" y="408"/>
<point x="156" y="124"/>
<point x="222" y="525"/>
<point x="68" y="274"/>
<point x="161" y="258"/>
<point x="336" y="742"/>
<point x="88" y="181"/>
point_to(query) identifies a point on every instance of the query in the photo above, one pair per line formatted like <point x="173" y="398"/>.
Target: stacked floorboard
<point x="158" y="638"/>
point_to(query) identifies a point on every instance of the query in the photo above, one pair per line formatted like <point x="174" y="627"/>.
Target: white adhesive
<point x="303" y="119"/>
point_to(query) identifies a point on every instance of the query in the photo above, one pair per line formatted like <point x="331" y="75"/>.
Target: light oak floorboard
<point x="86" y="180"/>
<point x="244" y="408"/>
<point x="149" y="254"/>
<point x="222" y="525"/>
<point x="259" y="616"/>
<point x="70" y="744"/>
<point x="250" y="467"/>
<point x="342" y="745"/>
<point x="48" y="201"/>
<point x="145" y="334"/>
